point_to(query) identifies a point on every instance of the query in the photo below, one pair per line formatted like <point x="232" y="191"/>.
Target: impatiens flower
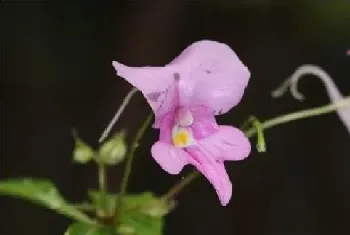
<point x="205" y="80"/>
<point x="332" y="90"/>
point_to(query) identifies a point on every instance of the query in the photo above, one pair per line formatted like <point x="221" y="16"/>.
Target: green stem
<point x="128" y="165"/>
<point x="85" y="206"/>
<point x="301" y="115"/>
<point x="246" y="123"/>
<point x="178" y="187"/>
<point x="261" y="145"/>
<point x="102" y="177"/>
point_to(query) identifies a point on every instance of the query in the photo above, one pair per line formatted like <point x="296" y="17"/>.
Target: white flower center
<point x="181" y="134"/>
<point x="185" y="118"/>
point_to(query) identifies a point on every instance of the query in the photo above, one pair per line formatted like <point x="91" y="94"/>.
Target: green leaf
<point x="83" y="153"/>
<point x="140" y="224"/>
<point x="158" y="208"/>
<point x="113" y="151"/>
<point x="146" y="203"/>
<point x="44" y="193"/>
<point x="104" y="202"/>
<point x="86" y="229"/>
<point x="142" y="215"/>
<point x="138" y="200"/>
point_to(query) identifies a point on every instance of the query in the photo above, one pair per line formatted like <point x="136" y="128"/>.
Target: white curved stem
<point x="117" y="115"/>
<point x="332" y="90"/>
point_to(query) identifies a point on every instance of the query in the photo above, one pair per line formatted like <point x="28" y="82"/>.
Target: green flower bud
<point x="113" y="151"/>
<point x="83" y="153"/>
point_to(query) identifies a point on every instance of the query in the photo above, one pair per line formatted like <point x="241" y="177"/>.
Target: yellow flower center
<point x="181" y="138"/>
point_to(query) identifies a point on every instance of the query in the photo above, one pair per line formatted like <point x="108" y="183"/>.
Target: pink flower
<point x="205" y="80"/>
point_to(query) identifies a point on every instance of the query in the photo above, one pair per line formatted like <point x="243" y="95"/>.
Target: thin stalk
<point x="102" y="177"/>
<point x="179" y="186"/>
<point x="128" y="165"/>
<point x="261" y="144"/>
<point x="117" y="114"/>
<point x="301" y="115"/>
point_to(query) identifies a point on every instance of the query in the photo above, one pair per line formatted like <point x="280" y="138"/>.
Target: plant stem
<point x="261" y="144"/>
<point x="301" y="115"/>
<point x="178" y="187"/>
<point x="102" y="177"/>
<point x="117" y="114"/>
<point x="252" y="120"/>
<point x="128" y="165"/>
<point x="85" y="207"/>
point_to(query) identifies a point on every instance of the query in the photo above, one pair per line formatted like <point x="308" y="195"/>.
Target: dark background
<point x="57" y="75"/>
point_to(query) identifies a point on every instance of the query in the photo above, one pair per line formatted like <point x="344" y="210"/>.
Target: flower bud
<point x="83" y="153"/>
<point x="113" y="150"/>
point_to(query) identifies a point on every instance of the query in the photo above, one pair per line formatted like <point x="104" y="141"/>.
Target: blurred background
<point x="57" y="75"/>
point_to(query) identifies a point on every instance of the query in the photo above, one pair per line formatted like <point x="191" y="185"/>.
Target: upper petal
<point x="228" y="143"/>
<point x="147" y="79"/>
<point x="212" y="75"/>
<point x="206" y="73"/>
<point x="159" y="85"/>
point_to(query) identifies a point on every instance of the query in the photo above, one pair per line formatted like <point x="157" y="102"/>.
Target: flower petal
<point x="159" y="85"/>
<point x="204" y="124"/>
<point x="206" y="73"/>
<point x="212" y="75"/>
<point x="213" y="170"/>
<point x="147" y="79"/>
<point x="165" y="128"/>
<point x="228" y="143"/>
<point x="170" y="158"/>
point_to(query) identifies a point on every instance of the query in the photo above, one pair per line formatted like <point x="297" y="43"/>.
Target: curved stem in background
<point x="267" y="125"/>
<point x="332" y="90"/>
<point x="128" y="165"/>
<point x="117" y="114"/>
